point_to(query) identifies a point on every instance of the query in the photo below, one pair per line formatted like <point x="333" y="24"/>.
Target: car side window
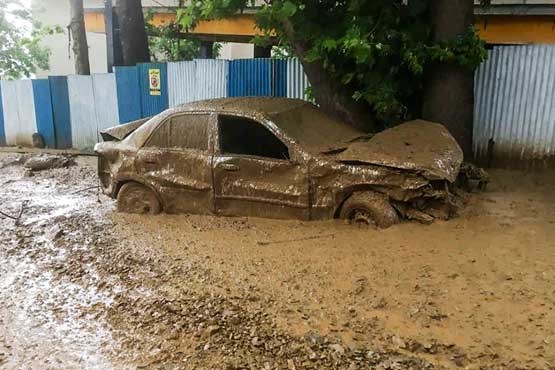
<point x="183" y="131"/>
<point x="189" y="131"/>
<point x="239" y="135"/>
<point x="159" y="138"/>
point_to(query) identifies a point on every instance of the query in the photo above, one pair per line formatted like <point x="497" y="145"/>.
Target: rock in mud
<point x="47" y="161"/>
<point x="38" y="141"/>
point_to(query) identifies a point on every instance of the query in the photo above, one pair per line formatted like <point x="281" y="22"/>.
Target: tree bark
<point x="448" y="88"/>
<point x="329" y="94"/>
<point x="79" y="37"/>
<point x="134" y="42"/>
<point x="336" y="101"/>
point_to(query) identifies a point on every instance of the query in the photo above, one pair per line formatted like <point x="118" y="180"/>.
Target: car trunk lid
<point x="118" y="133"/>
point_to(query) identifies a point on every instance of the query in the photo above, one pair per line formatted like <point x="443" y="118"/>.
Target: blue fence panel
<point x="249" y="77"/>
<point x="151" y="102"/>
<point x="2" y="132"/>
<point x="60" y="111"/>
<point x="43" y="112"/>
<point x="279" y="77"/>
<point x="129" y="96"/>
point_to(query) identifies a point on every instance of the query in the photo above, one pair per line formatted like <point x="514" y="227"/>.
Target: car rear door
<point x="176" y="161"/>
<point x="255" y="174"/>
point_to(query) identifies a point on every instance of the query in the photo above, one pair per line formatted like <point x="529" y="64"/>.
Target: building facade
<point x="502" y="22"/>
<point x="57" y="13"/>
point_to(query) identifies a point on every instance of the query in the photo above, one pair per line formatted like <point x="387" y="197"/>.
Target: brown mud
<point x="83" y="287"/>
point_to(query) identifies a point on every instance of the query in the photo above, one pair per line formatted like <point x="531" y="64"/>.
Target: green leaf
<point x="288" y="9"/>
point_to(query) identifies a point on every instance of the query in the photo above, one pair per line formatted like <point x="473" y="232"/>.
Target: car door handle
<point x="230" y="167"/>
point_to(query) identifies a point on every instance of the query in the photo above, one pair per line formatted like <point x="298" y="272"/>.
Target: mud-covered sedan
<point x="278" y="158"/>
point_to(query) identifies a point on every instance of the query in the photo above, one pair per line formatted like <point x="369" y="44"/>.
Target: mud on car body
<point x="277" y="158"/>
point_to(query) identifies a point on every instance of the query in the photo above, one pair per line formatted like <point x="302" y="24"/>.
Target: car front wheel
<point x="369" y="208"/>
<point x="136" y="198"/>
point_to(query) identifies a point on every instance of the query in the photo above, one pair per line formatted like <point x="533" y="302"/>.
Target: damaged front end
<point x="415" y="165"/>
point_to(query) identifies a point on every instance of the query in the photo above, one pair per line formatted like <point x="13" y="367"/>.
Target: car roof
<point x="245" y="105"/>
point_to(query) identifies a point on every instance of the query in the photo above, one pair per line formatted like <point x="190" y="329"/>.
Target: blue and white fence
<point x="514" y="93"/>
<point x="70" y="111"/>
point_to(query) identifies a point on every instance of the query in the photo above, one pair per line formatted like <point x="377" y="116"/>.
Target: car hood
<point x="421" y="146"/>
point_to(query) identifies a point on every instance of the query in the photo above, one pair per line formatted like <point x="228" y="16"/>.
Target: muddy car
<point x="277" y="158"/>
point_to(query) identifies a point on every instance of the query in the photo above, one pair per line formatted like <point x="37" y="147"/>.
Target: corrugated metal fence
<point x="69" y="111"/>
<point x="197" y="80"/>
<point x="514" y="118"/>
<point x="514" y="93"/>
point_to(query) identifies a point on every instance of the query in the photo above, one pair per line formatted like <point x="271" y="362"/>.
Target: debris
<point x="85" y="189"/>
<point x="414" y="214"/>
<point x="294" y="240"/>
<point x="38" y="141"/>
<point x="48" y="161"/>
<point x="18" y="217"/>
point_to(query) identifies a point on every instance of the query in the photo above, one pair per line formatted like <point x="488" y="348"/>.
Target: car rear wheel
<point x="369" y="208"/>
<point x="136" y="198"/>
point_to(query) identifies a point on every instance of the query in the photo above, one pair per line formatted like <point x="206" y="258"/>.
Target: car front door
<point x="176" y="161"/>
<point x="255" y="174"/>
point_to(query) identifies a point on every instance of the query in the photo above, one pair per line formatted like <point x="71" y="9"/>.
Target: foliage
<point x="20" y="51"/>
<point x="378" y="50"/>
<point x="166" y="46"/>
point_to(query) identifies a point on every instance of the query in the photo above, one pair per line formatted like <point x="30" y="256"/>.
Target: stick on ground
<point x="294" y="240"/>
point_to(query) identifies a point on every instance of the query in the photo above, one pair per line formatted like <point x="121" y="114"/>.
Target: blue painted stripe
<point x="43" y="112"/>
<point x="2" y="130"/>
<point x="60" y="110"/>
<point x="250" y="77"/>
<point x="153" y="104"/>
<point x="279" y="77"/>
<point x="129" y="96"/>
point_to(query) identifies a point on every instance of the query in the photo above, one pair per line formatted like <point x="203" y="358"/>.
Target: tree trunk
<point x="336" y="101"/>
<point x="330" y="95"/>
<point x="79" y="37"/>
<point x="449" y="89"/>
<point x="134" y="42"/>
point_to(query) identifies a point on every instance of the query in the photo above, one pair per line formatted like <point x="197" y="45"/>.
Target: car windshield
<point x="313" y="129"/>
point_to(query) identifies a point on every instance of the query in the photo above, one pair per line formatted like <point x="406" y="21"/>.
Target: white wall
<point x="234" y="50"/>
<point x="56" y="12"/>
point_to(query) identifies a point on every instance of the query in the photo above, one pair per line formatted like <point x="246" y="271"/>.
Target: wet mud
<point x="84" y="287"/>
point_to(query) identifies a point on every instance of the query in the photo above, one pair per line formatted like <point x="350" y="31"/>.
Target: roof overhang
<point x="515" y="9"/>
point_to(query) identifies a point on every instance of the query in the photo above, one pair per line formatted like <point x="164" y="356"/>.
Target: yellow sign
<point x="154" y="81"/>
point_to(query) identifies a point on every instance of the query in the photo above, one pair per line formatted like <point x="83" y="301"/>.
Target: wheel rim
<point x="361" y="217"/>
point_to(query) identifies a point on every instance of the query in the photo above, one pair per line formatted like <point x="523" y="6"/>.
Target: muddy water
<point x="42" y="320"/>
<point x="84" y="287"/>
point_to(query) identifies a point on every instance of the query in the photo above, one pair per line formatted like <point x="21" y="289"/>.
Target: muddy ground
<point x="83" y="287"/>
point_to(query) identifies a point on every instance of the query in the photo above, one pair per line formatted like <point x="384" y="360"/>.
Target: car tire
<point x="136" y="198"/>
<point x="369" y="208"/>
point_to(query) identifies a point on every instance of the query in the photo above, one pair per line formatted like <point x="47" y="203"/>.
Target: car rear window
<point x="185" y="131"/>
